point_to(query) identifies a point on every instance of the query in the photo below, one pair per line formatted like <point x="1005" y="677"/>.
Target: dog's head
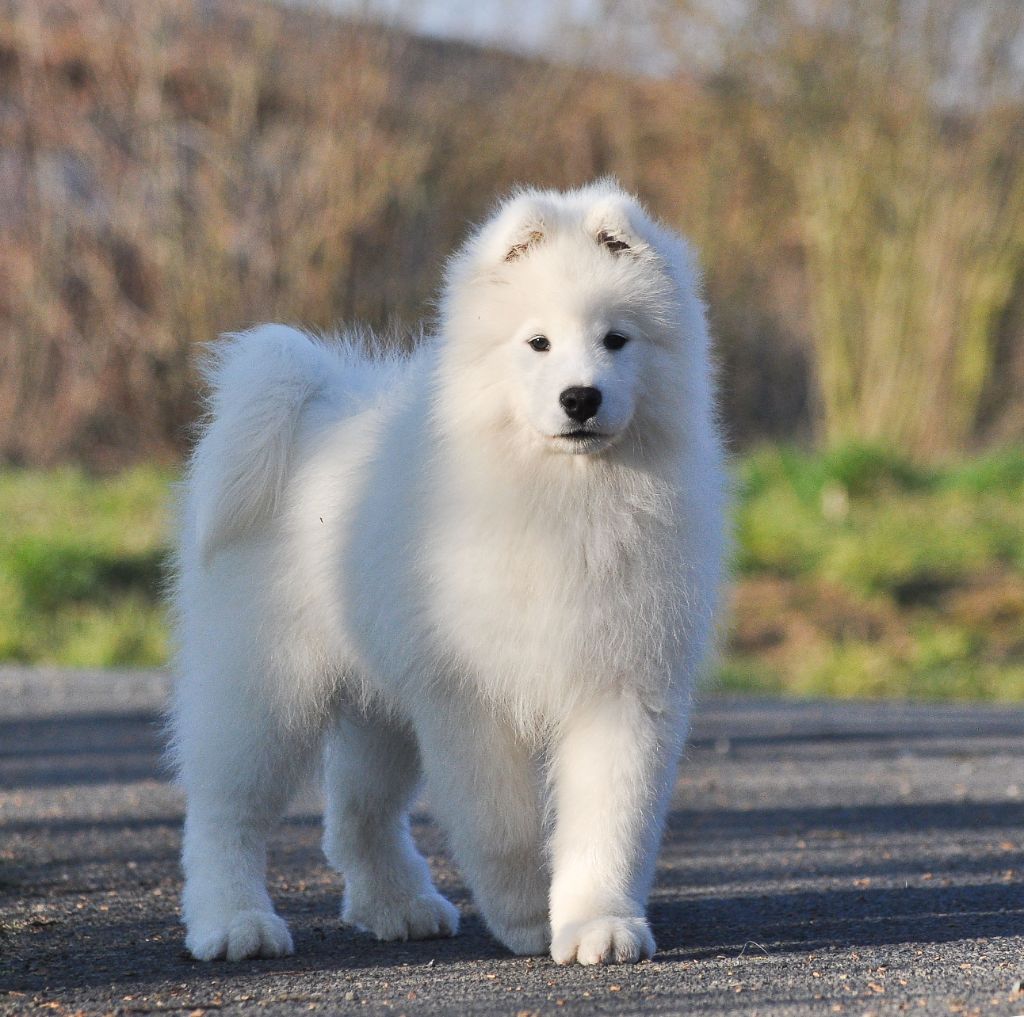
<point x="567" y="318"/>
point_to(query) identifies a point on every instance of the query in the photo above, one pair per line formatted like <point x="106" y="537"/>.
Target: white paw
<point x="424" y="916"/>
<point x="247" y="934"/>
<point x="603" y="941"/>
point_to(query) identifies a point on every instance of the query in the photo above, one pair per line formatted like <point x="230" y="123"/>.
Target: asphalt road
<point x="821" y="858"/>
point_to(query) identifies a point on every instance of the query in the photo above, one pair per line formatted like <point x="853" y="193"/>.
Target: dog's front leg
<point x="612" y="773"/>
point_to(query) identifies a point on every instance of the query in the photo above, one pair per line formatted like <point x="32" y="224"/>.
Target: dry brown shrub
<point x="174" y="169"/>
<point x="174" y="178"/>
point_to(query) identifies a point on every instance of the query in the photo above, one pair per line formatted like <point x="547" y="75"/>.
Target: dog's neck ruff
<point x="597" y="500"/>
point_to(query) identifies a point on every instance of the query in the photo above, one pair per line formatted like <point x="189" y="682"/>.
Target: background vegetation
<point x="851" y="172"/>
<point x="857" y="573"/>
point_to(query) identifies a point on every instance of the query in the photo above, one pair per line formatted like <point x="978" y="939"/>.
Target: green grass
<point x="81" y="566"/>
<point x="858" y="573"/>
<point x="861" y="574"/>
<point x="878" y="525"/>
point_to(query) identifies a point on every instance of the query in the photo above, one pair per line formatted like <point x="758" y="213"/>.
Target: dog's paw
<point x="603" y="941"/>
<point x="424" y="916"/>
<point x="246" y="934"/>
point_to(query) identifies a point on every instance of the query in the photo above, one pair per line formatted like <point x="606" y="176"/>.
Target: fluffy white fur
<point x="406" y="562"/>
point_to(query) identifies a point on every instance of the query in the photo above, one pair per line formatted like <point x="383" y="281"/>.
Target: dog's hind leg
<point x="371" y="772"/>
<point x="239" y="766"/>
<point x="483" y="786"/>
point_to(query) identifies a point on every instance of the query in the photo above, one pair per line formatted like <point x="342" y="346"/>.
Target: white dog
<point x="495" y="561"/>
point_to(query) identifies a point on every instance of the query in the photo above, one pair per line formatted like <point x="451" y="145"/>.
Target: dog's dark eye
<point x="540" y="343"/>
<point x="615" y="341"/>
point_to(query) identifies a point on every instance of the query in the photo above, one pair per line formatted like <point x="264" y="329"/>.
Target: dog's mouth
<point x="583" y="440"/>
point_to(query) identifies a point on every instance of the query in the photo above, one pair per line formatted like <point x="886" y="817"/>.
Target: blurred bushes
<point x="897" y="124"/>
<point x="850" y="172"/>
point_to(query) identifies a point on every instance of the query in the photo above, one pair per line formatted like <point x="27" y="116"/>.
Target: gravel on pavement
<point x="821" y="858"/>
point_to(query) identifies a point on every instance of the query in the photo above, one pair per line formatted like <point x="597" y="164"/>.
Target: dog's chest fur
<point x="538" y="607"/>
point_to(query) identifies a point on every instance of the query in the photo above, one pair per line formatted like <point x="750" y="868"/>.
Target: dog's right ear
<point x="517" y="228"/>
<point x="531" y="238"/>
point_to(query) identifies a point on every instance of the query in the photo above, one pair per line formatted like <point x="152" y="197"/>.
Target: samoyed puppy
<point x="494" y="562"/>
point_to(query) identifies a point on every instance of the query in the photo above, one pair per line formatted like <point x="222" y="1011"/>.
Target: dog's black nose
<point x="580" y="403"/>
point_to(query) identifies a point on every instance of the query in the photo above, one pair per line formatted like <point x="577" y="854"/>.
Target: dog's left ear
<point x="617" y="224"/>
<point x="613" y="241"/>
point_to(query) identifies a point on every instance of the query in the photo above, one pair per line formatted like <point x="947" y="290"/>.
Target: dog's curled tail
<point x="259" y="382"/>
